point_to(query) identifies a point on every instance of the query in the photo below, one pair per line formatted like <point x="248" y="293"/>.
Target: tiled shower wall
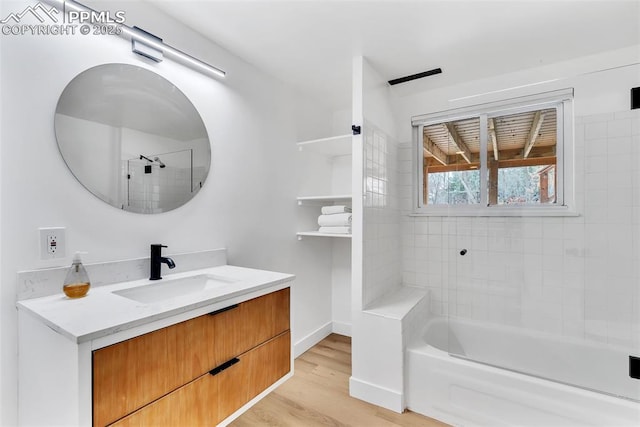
<point x="381" y="237"/>
<point x="570" y="276"/>
<point x="164" y="189"/>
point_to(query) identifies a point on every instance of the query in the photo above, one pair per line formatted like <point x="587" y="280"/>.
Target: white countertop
<point x="103" y="313"/>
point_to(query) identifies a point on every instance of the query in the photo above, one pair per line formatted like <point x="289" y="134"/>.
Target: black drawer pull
<point x="225" y="365"/>
<point x="222" y="310"/>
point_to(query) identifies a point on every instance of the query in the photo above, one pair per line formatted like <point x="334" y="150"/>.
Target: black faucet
<point x="156" y="261"/>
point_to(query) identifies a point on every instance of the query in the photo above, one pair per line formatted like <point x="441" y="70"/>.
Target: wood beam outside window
<point x="434" y="150"/>
<point x="513" y="163"/>
<point x="425" y="184"/>
<point x="494" y="138"/>
<point x="544" y="187"/>
<point x="493" y="182"/>
<point x="545" y="151"/>
<point x="538" y="118"/>
<point x="461" y="147"/>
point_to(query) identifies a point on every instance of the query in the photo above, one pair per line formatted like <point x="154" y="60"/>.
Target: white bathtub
<point x="466" y="393"/>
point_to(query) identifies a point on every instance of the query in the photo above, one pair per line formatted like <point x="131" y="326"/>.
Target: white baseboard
<point x="312" y="339"/>
<point x="377" y="395"/>
<point x="341" y="328"/>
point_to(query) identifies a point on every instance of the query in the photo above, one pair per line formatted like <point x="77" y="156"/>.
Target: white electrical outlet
<point x="52" y="243"/>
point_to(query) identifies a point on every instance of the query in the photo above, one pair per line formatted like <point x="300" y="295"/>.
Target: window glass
<point x="454" y="188"/>
<point x="451" y="162"/>
<point x="484" y="159"/>
<point x="522" y="158"/>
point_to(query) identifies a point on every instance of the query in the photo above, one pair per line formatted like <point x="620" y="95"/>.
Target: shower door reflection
<point x="160" y="182"/>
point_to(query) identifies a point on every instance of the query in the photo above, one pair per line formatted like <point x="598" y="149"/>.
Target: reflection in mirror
<point x="132" y="138"/>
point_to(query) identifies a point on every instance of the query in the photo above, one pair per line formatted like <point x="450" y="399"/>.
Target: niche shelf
<point x="302" y="234"/>
<point x="322" y="200"/>
<point x="333" y="146"/>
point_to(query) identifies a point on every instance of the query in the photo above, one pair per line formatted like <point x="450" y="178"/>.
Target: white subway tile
<point x="620" y="163"/>
<point x="596" y="181"/>
<point x="532" y="231"/>
<point x="635" y="125"/>
<point x="596" y="198"/>
<point x="552" y="230"/>
<point x="421" y="240"/>
<point x="619" y="145"/>
<point x="533" y="246"/>
<point x="627" y="114"/>
<point x="603" y="117"/>
<point x="595" y="214"/>
<point x="595" y="147"/>
<point x="622" y="215"/>
<point x="595" y="130"/>
<point x="435" y="226"/>
<point x="621" y="127"/>
<point x="621" y="179"/>
<point x="553" y="268"/>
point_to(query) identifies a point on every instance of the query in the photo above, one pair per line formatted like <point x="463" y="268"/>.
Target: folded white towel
<point x="343" y="219"/>
<point x="336" y="209"/>
<point x="335" y="230"/>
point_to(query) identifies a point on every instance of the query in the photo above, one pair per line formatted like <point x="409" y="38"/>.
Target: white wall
<point x="341" y="286"/>
<point x="376" y="250"/>
<point x="585" y="74"/>
<point x="574" y="277"/>
<point x="3" y="347"/>
<point x="247" y="204"/>
<point x="95" y="161"/>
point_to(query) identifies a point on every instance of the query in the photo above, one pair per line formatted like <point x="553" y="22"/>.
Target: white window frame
<point x="562" y="100"/>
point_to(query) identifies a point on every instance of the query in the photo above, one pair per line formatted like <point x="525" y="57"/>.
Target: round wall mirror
<point x="132" y="138"/>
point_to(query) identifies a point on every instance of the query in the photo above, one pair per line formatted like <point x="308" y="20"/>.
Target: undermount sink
<point x="174" y="288"/>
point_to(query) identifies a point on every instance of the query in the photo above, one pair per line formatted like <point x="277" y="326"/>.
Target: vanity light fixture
<point x="153" y="42"/>
<point x="142" y="42"/>
<point x="137" y="46"/>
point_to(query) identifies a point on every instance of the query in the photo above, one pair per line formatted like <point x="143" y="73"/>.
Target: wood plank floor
<point x="318" y="395"/>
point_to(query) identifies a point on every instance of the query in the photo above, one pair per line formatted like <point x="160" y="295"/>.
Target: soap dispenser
<point x="76" y="284"/>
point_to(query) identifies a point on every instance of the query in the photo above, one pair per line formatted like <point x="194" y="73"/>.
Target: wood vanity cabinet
<point x="196" y="372"/>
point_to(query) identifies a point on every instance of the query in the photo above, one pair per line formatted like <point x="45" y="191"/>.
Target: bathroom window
<point x="451" y="163"/>
<point x="498" y="158"/>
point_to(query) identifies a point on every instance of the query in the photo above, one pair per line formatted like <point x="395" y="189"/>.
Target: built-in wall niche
<point x="324" y="180"/>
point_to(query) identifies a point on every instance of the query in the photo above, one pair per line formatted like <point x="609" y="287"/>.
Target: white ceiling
<point x="310" y="44"/>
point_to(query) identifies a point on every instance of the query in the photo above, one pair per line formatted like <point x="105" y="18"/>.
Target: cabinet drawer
<point x="252" y="323"/>
<point x="133" y="373"/>
<point x="212" y="397"/>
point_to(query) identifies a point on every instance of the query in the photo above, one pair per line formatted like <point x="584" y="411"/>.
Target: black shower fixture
<point x="147" y="168"/>
<point x="162" y="165"/>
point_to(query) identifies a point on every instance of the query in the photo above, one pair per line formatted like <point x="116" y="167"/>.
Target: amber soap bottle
<point x="76" y="283"/>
